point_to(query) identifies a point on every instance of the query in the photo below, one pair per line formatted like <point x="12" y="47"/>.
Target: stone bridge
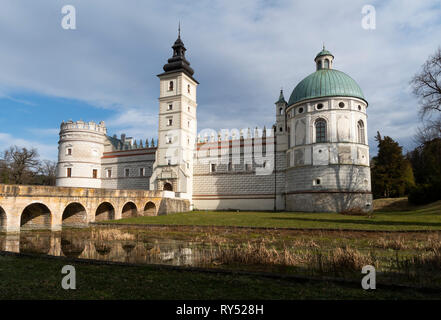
<point x="44" y="207"/>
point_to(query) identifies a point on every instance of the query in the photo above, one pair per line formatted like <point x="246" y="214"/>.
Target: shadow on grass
<point x="365" y="222"/>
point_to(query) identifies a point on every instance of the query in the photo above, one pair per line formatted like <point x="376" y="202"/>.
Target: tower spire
<point x="179" y="30"/>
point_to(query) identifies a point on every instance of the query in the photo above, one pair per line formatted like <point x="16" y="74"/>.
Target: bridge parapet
<point x="44" y="207"/>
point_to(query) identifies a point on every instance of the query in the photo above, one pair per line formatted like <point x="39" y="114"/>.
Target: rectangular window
<point x="230" y="166"/>
<point x="95" y="173"/>
<point x="141" y="172"/>
<point x="213" y="167"/>
<point x="170" y="107"/>
<point x="69" y="151"/>
<point x="127" y="172"/>
<point x="69" y="172"/>
<point x="170" y="122"/>
<point x="109" y="173"/>
<point x="248" y="167"/>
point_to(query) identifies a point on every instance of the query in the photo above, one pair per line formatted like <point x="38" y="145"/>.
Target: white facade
<point x="315" y="158"/>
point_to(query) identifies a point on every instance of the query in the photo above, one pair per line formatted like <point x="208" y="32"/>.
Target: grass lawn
<point x="426" y="217"/>
<point x="40" y="278"/>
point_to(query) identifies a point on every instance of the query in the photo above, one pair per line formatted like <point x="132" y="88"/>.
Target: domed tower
<point x="80" y="149"/>
<point x="328" y="154"/>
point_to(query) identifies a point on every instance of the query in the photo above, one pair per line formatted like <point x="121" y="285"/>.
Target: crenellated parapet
<point x="82" y="125"/>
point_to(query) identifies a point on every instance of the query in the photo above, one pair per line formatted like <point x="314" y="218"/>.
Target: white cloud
<point x="242" y="52"/>
<point x="45" y="151"/>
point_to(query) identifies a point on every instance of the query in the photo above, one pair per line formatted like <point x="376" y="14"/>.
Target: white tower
<point x="80" y="149"/>
<point x="173" y="168"/>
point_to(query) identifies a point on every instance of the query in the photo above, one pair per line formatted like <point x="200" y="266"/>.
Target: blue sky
<point x="243" y="52"/>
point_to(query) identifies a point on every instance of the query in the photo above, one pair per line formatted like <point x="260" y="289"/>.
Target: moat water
<point x="106" y="245"/>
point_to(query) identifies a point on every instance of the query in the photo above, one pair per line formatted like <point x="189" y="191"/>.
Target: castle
<point x="315" y="158"/>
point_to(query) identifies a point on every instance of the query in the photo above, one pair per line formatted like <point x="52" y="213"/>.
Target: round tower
<point x="328" y="154"/>
<point x="80" y="149"/>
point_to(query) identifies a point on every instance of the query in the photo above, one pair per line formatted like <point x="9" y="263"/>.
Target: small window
<point x="168" y="162"/>
<point x="319" y="65"/>
<point x="230" y="166"/>
<point x="170" y="107"/>
<point x="95" y="173"/>
<point x="169" y="139"/>
<point x="317" y="182"/>
<point x="109" y="173"/>
<point x="326" y="64"/>
<point x="248" y="167"/>
<point x="170" y="122"/>
<point x="281" y="129"/>
<point x="319" y="106"/>
<point x="281" y="111"/>
<point x="213" y="167"/>
<point x="360" y="131"/>
<point x="170" y="86"/>
<point x="142" y="172"/>
<point x="69" y="151"/>
<point x="359" y="107"/>
<point x="300" y="110"/>
<point x="265" y="164"/>
<point x="127" y="172"/>
<point x="69" y="172"/>
<point x="320" y="130"/>
<point x="188" y="108"/>
<point x="188" y="88"/>
<point x="341" y="105"/>
<point x="188" y="124"/>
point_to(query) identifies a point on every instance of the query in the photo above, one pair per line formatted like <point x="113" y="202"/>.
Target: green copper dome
<point x="325" y="83"/>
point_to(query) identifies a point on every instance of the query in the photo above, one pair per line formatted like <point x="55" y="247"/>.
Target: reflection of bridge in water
<point x="42" y="207"/>
<point x="93" y="245"/>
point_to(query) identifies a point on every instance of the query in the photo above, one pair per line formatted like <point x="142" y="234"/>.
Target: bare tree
<point x="21" y="164"/>
<point x="48" y="169"/>
<point x="427" y="85"/>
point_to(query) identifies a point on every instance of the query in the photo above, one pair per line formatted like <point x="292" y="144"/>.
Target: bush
<point x="425" y="193"/>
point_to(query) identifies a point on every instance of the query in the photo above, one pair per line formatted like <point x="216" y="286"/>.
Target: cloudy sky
<point x="243" y="52"/>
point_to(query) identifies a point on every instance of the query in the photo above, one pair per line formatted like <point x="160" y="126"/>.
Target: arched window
<point x="360" y="130"/>
<point x="319" y="65"/>
<point x="326" y="64"/>
<point x="281" y="111"/>
<point x="170" y="86"/>
<point x="320" y="130"/>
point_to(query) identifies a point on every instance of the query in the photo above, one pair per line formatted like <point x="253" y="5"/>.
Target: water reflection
<point x="104" y="244"/>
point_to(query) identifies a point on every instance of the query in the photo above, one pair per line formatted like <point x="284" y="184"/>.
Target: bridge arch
<point x="74" y="215"/>
<point x="3" y="219"/>
<point x="150" y="209"/>
<point x="129" y="210"/>
<point x="36" y="216"/>
<point x="105" y="211"/>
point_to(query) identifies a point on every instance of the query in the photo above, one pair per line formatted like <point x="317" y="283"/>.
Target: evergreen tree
<point x="391" y="172"/>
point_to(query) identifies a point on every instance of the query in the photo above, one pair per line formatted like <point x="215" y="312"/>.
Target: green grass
<point x="421" y="218"/>
<point x="40" y="278"/>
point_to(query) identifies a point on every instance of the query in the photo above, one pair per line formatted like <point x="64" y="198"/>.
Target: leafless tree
<point x="20" y="163"/>
<point x="427" y="87"/>
<point x="48" y="169"/>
